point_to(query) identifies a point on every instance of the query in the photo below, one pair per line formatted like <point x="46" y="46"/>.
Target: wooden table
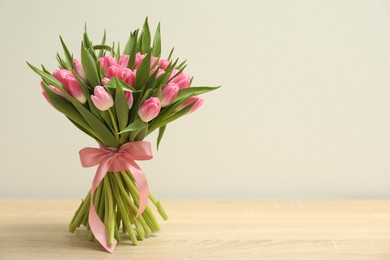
<point x="290" y="230"/>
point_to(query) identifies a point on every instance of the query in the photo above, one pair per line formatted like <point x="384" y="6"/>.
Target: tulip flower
<point x="104" y="81"/>
<point x="72" y="86"/>
<point x="123" y="60"/>
<point x="128" y="76"/>
<point x="114" y="71"/>
<point x="149" y="109"/>
<point x="106" y="62"/>
<point x="138" y="59"/>
<point x="169" y="93"/>
<point x="129" y="98"/>
<point x="197" y="100"/>
<point x="102" y="99"/>
<point x="182" y="79"/>
<point x="78" y="68"/>
<point x="163" y="63"/>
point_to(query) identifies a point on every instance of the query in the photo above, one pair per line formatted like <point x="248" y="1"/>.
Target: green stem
<point x="80" y="215"/>
<point x="125" y="217"/>
<point x="114" y="124"/>
<point x="110" y="214"/>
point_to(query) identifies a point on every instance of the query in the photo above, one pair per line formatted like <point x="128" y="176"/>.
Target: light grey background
<point x="304" y="111"/>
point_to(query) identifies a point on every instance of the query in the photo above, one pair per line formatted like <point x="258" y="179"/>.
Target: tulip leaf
<point x="112" y="84"/>
<point x="157" y="42"/>
<point x="136" y="125"/>
<point x="49" y="79"/>
<point x="102" y="47"/>
<point x="131" y="49"/>
<point x="101" y="52"/>
<point x="193" y="91"/>
<point x="145" y="47"/>
<point x="161" y="132"/>
<point x="65" y="107"/>
<point x="164" y="113"/>
<point x="68" y="56"/>
<point x="121" y="106"/>
<point x="176" y="115"/>
<point x="101" y="131"/>
<point x="89" y="66"/>
<point x="170" y="54"/>
<point x="143" y="72"/>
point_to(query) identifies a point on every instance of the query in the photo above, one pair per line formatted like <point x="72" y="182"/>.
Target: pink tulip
<point x="129" y="98"/>
<point x="123" y="60"/>
<point x="105" y="81"/>
<point x="72" y="86"/>
<point x="138" y="59"/>
<point x="197" y="100"/>
<point x="182" y="80"/>
<point x="149" y="109"/>
<point x="153" y="61"/>
<point x="78" y="68"/>
<point x="128" y="76"/>
<point x="102" y="99"/>
<point x="162" y="63"/>
<point x="106" y="62"/>
<point x="169" y="93"/>
<point x="114" y="71"/>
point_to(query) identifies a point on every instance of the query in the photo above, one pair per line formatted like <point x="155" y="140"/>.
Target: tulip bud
<point x="129" y="98"/>
<point x="149" y="109"/>
<point x="169" y="93"/>
<point x="123" y="60"/>
<point x="78" y="68"/>
<point x="106" y="62"/>
<point x="114" y="71"/>
<point x="182" y="80"/>
<point x="102" y="99"/>
<point x="128" y="76"/>
<point x="105" y="81"/>
<point x="162" y="63"/>
<point x="197" y="100"/>
<point x="138" y="59"/>
<point x="72" y="86"/>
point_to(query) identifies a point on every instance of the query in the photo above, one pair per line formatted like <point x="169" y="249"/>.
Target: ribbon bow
<point x="112" y="159"/>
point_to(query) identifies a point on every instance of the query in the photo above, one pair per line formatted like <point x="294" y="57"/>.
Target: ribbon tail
<point x="142" y="185"/>
<point x="97" y="226"/>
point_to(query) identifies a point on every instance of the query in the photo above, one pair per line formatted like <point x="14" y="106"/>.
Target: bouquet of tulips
<point x="119" y="98"/>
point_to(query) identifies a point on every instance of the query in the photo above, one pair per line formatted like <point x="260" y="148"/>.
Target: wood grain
<point x="290" y="230"/>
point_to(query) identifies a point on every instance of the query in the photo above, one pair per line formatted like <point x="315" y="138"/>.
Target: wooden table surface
<point x="358" y="229"/>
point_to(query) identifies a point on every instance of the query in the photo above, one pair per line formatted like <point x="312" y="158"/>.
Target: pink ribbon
<point x="112" y="159"/>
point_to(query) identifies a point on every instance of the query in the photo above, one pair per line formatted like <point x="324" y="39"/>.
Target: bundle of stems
<point x="116" y="201"/>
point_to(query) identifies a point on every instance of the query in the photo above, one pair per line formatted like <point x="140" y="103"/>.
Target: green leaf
<point x="170" y="54"/>
<point x="112" y="84"/>
<point x="145" y="37"/>
<point x="89" y="65"/>
<point x="193" y="91"/>
<point x="101" y="52"/>
<point x="131" y="49"/>
<point x="176" y="115"/>
<point x="143" y="72"/>
<point x="68" y="56"/>
<point x="136" y="125"/>
<point x="161" y="132"/>
<point x="102" y="47"/>
<point x="49" y="79"/>
<point x="65" y="107"/>
<point x="121" y="106"/>
<point x="157" y="42"/>
<point x="101" y="131"/>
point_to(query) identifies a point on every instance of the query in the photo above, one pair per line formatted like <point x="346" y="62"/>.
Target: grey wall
<point x="304" y="111"/>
